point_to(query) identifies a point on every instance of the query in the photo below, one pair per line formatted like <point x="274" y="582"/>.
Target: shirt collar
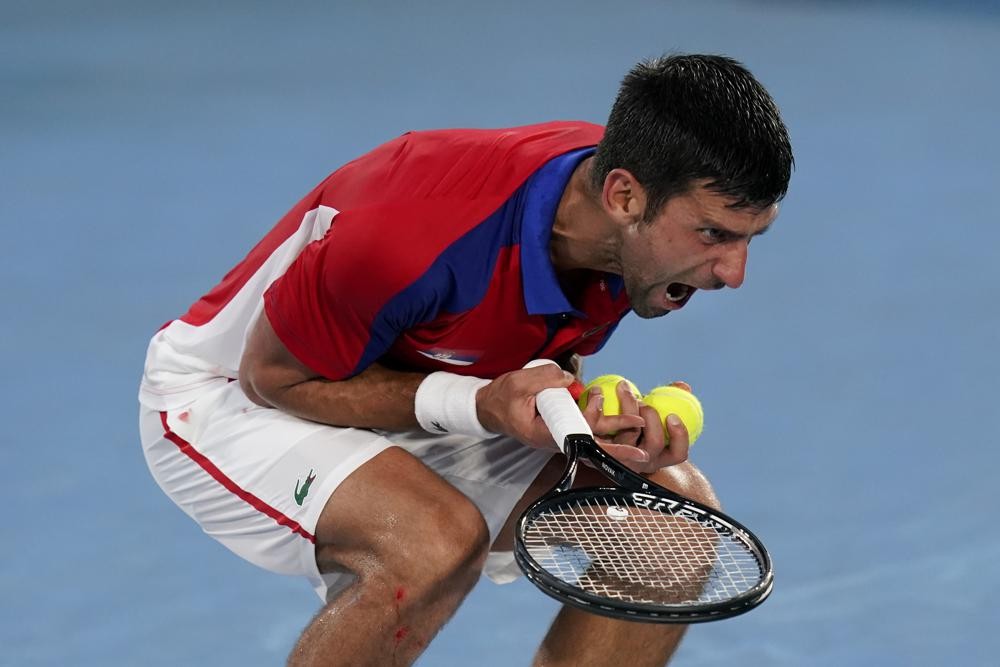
<point x="543" y="191"/>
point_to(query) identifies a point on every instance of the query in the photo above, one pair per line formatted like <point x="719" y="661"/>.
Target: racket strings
<point x="609" y="547"/>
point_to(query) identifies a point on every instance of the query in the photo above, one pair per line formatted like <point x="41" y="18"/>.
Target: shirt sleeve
<point x="347" y="297"/>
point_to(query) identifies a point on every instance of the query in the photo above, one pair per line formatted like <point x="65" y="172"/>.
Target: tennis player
<point x="347" y="404"/>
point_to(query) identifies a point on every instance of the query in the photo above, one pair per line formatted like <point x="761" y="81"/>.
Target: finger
<point x="603" y="424"/>
<point x="628" y="436"/>
<point x="628" y="405"/>
<point x="654" y="437"/>
<point x="615" y="424"/>
<point x="628" y="401"/>
<point x="540" y="437"/>
<point x="633" y="457"/>
<point x="677" y="449"/>
<point x="594" y="407"/>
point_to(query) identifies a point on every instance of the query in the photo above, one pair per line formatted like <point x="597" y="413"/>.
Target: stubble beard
<point x="640" y="297"/>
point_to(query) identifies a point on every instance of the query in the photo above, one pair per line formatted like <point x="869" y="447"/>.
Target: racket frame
<point x="645" y="494"/>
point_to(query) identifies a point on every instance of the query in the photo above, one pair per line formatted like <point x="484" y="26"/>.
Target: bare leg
<point x="581" y="639"/>
<point x="417" y="546"/>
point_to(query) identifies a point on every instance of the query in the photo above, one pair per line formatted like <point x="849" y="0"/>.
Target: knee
<point x="687" y="480"/>
<point x="453" y="534"/>
<point x="414" y="528"/>
<point x="443" y="543"/>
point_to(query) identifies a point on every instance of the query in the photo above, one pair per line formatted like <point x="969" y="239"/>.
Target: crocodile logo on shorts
<point x="300" y="494"/>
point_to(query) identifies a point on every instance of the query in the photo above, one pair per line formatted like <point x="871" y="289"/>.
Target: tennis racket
<point x="635" y="551"/>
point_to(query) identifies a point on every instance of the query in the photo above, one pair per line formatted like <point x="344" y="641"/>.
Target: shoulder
<point x="403" y="204"/>
<point x="526" y="140"/>
<point x="456" y="163"/>
<point x="498" y="159"/>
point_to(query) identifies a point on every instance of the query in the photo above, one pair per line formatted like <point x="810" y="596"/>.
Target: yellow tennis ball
<point x="607" y="383"/>
<point x="678" y="399"/>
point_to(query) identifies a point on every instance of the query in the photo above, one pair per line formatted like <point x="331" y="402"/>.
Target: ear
<point x="623" y="198"/>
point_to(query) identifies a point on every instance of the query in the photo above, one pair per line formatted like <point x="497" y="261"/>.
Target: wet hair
<point x="680" y="119"/>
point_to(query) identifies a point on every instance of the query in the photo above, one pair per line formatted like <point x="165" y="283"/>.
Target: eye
<point x="713" y="235"/>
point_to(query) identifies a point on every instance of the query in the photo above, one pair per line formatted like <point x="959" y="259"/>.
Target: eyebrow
<point x="712" y="223"/>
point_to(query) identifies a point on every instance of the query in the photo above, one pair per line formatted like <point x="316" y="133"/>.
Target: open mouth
<point x="678" y="294"/>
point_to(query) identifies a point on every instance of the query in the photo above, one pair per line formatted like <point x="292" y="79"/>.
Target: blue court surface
<point x="850" y="386"/>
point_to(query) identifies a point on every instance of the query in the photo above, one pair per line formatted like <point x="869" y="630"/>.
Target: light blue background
<point x="850" y="386"/>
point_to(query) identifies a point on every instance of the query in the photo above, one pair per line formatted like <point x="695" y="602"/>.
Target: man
<point x="349" y="405"/>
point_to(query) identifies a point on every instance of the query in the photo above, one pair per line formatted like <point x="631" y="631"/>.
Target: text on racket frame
<point x="676" y="508"/>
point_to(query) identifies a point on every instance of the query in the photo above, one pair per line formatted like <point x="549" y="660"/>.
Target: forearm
<point x="379" y="397"/>
<point x="375" y="398"/>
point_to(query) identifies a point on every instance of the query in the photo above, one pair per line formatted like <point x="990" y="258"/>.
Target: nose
<point x="731" y="267"/>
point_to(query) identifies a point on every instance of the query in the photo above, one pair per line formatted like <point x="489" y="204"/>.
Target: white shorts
<point x="256" y="479"/>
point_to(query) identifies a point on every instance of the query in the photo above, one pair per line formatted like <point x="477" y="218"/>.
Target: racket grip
<point x="559" y="411"/>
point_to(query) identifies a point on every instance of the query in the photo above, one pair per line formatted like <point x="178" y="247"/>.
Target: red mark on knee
<point x="184" y="416"/>
<point x="404" y="629"/>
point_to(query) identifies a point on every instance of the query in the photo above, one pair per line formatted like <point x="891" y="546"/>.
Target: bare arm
<point x="377" y="397"/>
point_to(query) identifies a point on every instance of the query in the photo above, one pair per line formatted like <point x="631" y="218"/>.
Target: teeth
<point x="676" y="291"/>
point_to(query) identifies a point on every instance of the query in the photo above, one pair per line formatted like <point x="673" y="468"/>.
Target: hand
<point x="507" y="404"/>
<point x="622" y="428"/>
<point x="638" y="438"/>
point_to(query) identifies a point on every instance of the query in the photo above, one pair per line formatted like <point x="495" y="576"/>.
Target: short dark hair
<point x="683" y="118"/>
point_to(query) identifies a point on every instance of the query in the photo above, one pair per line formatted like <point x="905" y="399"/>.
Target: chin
<point x="648" y="312"/>
<point x="643" y="307"/>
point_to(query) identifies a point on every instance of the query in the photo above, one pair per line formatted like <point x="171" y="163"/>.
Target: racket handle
<point x="559" y="411"/>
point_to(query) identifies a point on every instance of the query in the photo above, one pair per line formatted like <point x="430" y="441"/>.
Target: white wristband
<point x="446" y="403"/>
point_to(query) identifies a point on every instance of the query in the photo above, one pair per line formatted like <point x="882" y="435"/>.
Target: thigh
<point x="255" y="479"/>
<point x="425" y="486"/>
<point x="393" y="513"/>
<point x="494" y="474"/>
<point x="260" y="481"/>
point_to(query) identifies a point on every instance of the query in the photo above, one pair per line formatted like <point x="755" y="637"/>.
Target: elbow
<point x="249" y="383"/>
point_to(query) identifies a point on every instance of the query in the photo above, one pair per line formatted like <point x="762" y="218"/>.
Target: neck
<point x="583" y="238"/>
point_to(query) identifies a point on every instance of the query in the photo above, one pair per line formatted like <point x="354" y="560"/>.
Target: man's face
<point x="694" y="242"/>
